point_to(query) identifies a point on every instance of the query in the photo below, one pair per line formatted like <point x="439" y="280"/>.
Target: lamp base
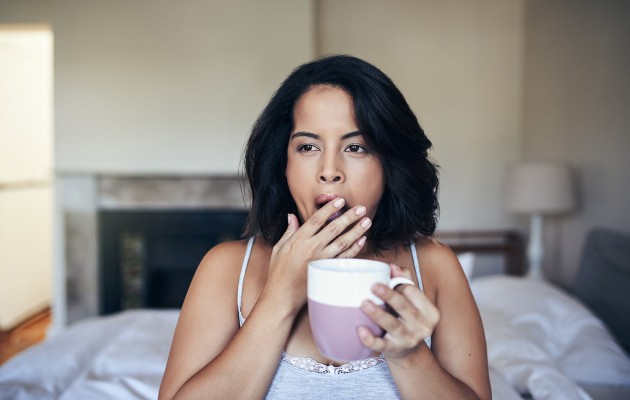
<point x="535" y="273"/>
<point x="535" y="251"/>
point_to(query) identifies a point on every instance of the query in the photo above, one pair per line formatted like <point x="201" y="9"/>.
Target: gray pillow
<point x="603" y="281"/>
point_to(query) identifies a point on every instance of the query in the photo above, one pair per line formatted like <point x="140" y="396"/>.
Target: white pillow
<point x="467" y="261"/>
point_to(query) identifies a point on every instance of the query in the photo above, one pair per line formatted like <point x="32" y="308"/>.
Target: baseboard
<point x="29" y="319"/>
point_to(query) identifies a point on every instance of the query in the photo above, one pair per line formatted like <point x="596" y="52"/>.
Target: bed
<point x="544" y="342"/>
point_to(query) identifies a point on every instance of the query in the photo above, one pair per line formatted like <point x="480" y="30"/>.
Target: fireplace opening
<point x="147" y="258"/>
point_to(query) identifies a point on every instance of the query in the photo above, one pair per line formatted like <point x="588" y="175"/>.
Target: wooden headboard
<point x="505" y="243"/>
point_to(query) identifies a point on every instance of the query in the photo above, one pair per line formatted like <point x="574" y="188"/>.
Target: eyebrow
<point x="316" y="136"/>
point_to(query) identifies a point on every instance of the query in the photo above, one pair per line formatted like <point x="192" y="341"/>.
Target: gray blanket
<point x="604" y="280"/>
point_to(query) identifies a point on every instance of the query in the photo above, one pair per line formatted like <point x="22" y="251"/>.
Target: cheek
<point x="373" y="186"/>
<point x="295" y="181"/>
<point x="293" y="174"/>
<point x="376" y="190"/>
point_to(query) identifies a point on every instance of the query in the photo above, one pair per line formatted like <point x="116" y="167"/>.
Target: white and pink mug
<point x="335" y="290"/>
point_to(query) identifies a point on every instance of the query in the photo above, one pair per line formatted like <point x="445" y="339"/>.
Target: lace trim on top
<point x="310" y="365"/>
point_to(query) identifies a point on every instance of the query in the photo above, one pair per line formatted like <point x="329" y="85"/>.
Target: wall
<point x="459" y="64"/>
<point x="131" y="88"/>
<point x="157" y="86"/>
<point x="576" y="102"/>
<point x="24" y="11"/>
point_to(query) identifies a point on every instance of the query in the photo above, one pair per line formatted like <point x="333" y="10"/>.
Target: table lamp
<point x="537" y="188"/>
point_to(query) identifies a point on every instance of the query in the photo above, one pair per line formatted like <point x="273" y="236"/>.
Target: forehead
<point x="324" y="102"/>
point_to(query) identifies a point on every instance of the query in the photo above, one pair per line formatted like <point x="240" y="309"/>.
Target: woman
<point x="338" y="167"/>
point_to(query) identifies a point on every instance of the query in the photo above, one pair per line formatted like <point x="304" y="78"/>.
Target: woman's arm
<point x="456" y="366"/>
<point x="210" y="355"/>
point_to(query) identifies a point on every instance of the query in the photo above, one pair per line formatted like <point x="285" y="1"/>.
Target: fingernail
<point x="366" y="223"/>
<point x="368" y="306"/>
<point x="360" y="211"/>
<point x="339" y="202"/>
<point x="379" y="289"/>
<point x="289" y="219"/>
<point x="362" y="331"/>
<point x="361" y="241"/>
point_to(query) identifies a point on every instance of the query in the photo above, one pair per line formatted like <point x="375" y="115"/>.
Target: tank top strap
<point x="416" y="264"/>
<point x="241" y="279"/>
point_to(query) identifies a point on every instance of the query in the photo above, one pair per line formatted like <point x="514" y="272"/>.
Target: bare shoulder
<point x="438" y="257"/>
<point x="223" y="260"/>
<point x="208" y="314"/>
<point x="226" y="251"/>
<point x="215" y="281"/>
<point x="440" y="266"/>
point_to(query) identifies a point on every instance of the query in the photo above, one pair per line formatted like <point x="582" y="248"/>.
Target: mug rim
<point x="343" y="265"/>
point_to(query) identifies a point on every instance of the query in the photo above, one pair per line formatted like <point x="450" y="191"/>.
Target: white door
<point x="26" y="164"/>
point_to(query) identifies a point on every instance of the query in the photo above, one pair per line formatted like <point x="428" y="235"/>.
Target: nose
<point x="330" y="178"/>
<point x="331" y="171"/>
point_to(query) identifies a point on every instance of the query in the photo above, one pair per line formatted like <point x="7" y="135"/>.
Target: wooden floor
<point x="26" y="334"/>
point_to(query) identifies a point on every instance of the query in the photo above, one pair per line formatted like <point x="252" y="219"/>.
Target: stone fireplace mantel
<point x="80" y="198"/>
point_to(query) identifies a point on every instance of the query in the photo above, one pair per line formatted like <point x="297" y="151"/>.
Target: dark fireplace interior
<point x="147" y="258"/>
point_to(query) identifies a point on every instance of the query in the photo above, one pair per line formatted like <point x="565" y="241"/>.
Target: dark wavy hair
<point x="409" y="205"/>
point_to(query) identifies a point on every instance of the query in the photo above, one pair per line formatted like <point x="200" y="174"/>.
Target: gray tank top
<point x="305" y="378"/>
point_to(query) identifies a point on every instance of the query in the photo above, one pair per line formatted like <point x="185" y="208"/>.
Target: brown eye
<point x="306" y="148"/>
<point x="355" y="148"/>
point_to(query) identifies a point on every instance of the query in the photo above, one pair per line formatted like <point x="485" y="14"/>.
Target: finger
<point x="382" y="318"/>
<point x="416" y="313"/>
<point x="317" y="220"/>
<point x="340" y="224"/>
<point x="400" y="334"/>
<point x="343" y="241"/>
<point x="399" y="302"/>
<point x="370" y="341"/>
<point x="418" y="300"/>
<point x="354" y="249"/>
<point x="292" y="226"/>
<point x="398" y="271"/>
<point x="404" y="331"/>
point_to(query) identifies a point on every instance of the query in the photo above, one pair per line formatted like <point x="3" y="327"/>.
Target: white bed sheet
<point x="117" y="357"/>
<point x="540" y="342"/>
<point x="545" y="343"/>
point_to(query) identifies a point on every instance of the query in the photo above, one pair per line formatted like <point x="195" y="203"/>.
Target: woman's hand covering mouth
<point x="323" y="199"/>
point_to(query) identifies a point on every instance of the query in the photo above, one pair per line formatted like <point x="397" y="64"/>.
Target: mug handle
<point x="399" y="280"/>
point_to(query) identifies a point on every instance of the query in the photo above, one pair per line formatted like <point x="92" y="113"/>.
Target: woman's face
<point x="328" y="157"/>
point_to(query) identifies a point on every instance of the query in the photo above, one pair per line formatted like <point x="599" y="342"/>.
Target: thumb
<point x="292" y="226"/>
<point x="398" y="271"/>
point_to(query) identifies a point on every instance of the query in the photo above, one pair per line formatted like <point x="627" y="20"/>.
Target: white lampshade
<point x="539" y="187"/>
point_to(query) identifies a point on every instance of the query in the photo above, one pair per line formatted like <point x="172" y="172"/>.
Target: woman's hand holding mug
<point x="336" y="290"/>
<point x="416" y="318"/>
